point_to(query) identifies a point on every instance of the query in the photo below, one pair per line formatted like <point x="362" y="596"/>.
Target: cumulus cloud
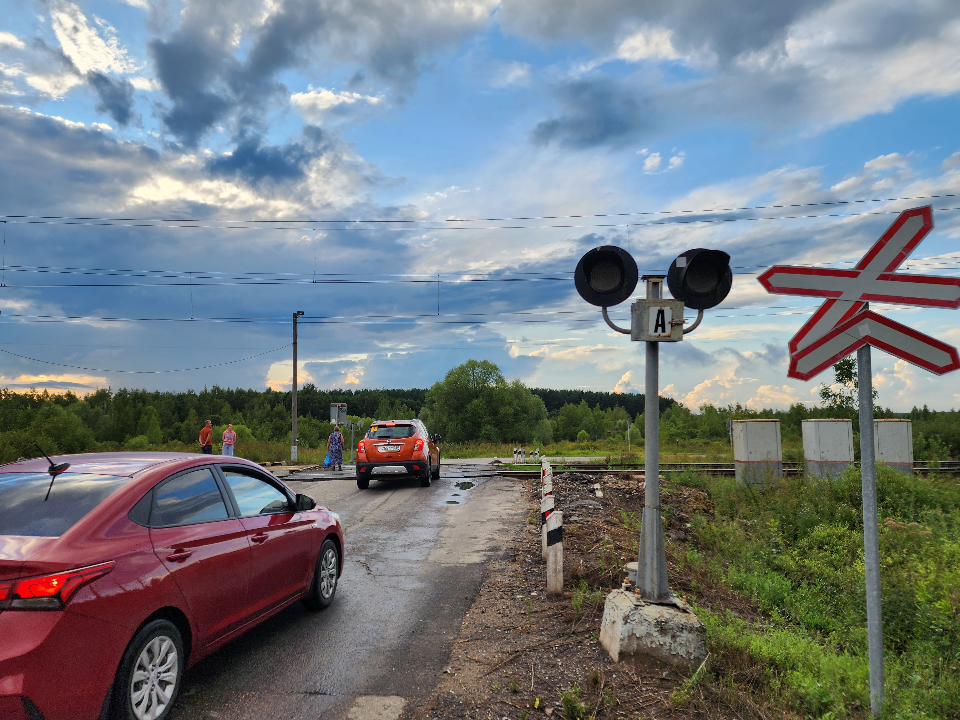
<point x="321" y="106"/>
<point x="805" y="66"/>
<point x="209" y="81"/>
<point x="624" y="384"/>
<point x="652" y="163"/>
<point x="10" y="40"/>
<point x="116" y="97"/>
<point x="594" y="112"/>
<point x="89" y="50"/>
<point x="647" y="43"/>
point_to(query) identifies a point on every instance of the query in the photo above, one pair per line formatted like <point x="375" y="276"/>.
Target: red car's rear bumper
<point x="58" y="663"/>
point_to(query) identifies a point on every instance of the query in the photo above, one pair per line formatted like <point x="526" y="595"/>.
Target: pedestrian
<point x="335" y="448"/>
<point x="206" y="438"/>
<point x="229" y="440"/>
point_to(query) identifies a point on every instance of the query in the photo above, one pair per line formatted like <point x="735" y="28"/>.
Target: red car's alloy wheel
<point x="151" y="671"/>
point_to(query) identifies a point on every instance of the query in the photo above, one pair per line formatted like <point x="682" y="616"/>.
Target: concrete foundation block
<point x="668" y="632"/>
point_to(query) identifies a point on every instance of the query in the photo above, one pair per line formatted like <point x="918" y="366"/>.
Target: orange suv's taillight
<point x="48" y="592"/>
<point x="418" y="445"/>
<point x="361" y="448"/>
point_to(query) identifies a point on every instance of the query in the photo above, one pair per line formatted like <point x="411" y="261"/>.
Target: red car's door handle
<point x="259" y="538"/>
<point x="179" y="555"/>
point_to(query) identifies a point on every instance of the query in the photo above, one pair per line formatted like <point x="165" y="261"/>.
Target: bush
<point x="795" y="550"/>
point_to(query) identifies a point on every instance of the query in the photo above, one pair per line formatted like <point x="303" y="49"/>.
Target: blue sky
<point x="421" y="112"/>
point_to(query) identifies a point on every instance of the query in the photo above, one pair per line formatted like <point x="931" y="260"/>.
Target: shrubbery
<point x="796" y="551"/>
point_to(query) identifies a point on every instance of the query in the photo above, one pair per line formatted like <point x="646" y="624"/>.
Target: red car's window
<point x="390" y="432"/>
<point x="187" y="499"/>
<point x="24" y="511"/>
<point x="255" y="496"/>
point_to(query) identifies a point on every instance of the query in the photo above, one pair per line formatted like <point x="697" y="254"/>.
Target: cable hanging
<point x="385" y="221"/>
<point x="144" y="372"/>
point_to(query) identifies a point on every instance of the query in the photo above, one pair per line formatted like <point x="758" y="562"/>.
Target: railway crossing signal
<point x="844" y="324"/>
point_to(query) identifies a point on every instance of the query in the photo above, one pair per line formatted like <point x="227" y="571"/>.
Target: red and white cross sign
<point x="841" y="325"/>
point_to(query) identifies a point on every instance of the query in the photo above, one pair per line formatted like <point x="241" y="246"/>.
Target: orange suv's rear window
<point x="390" y="432"/>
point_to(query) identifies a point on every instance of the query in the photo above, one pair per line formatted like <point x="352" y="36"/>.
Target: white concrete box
<point x="893" y="444"/>
<point x="756" y="450"/>
<point x="827" y="446"/>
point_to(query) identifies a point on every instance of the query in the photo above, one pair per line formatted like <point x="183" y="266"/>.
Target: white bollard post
<point x="546" y="510"/>
<point x="554" y="529"/>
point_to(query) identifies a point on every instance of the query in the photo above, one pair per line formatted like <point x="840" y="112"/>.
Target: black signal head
<point x="606" y="276"/>
<point x="701" y="278"/>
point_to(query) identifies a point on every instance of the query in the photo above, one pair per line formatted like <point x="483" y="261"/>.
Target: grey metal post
<point x="293" y="398"/>
<point x="871" y="538"/>
<point x="352" y="444"/>
<point x="652" y="563"/>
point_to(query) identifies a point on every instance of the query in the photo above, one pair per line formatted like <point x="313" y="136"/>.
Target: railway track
<point x="947" y="467"/>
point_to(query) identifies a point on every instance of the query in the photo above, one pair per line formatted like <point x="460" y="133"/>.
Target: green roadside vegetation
<point x="476" y="411"/>
<point x="794" y="551"/>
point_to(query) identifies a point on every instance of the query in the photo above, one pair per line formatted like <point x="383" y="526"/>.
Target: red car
<point x="404" y="444"/>
<point x="123" y="569"/>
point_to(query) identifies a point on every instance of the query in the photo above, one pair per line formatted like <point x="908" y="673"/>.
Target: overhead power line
<point x="411" y="221"/>
<point x="144" y="372"/>
<point x="359" y="224"/>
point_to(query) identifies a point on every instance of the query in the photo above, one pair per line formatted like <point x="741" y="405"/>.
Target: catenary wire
<point x="307" y="221"/>
<point x="672" y="221"/>
<point x="145" y="372"/>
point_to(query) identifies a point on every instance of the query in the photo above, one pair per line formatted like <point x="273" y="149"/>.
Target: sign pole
<point x="652" y="562"/>
<point x="871" y="537"/>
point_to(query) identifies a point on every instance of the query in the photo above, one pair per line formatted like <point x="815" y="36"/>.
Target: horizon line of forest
<point x="473" y="404"/>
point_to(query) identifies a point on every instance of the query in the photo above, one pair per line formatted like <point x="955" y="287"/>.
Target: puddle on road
<point x="457" y="494"/>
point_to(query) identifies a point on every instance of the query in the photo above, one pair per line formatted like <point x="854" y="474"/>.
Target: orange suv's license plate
<point x="389" y="448"/>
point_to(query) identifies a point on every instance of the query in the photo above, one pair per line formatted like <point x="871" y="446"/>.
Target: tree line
<point x="473" y="403"/>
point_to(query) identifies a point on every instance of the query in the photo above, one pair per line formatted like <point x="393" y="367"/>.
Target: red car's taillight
<point x="361" y="448"/>
<point x="418" y="445"/>
<point x="49" y="592"/>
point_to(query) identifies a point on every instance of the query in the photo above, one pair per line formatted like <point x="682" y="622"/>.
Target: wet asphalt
<point x="414" y="561"/>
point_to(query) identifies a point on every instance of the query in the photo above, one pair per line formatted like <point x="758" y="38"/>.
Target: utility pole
<point x="293" y="401"/>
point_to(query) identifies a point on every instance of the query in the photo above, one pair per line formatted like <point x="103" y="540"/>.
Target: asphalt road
<point x="414" y="563"/>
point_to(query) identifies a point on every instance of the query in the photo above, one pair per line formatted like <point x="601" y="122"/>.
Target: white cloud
<point x="102" y="126"/>
<point x="652" y="163"/>
<point x="320" y="105"/>
<point x="512" y="74"/>
<point x="10" y="40"/>
<point x="651" y="43"/>
<point x="145" y="83"/>
<point x="676" y="162"/>
<point x="84" y="45"/>
<point x="625" y="384"/>
<point x="951" y="162"/>
<point x="142" y="4"/>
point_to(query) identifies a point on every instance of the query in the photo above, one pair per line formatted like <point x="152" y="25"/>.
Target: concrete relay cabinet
<point x="756" y="450"/>
<point x="827" y="446"/>
<point x="893" y="444"/>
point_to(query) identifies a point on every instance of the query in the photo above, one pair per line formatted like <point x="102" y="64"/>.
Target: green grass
<point x="796" y="552"/>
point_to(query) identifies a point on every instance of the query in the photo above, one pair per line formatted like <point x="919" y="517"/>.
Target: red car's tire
<point x="325" y="577"/>
<point x="150" y="674"/>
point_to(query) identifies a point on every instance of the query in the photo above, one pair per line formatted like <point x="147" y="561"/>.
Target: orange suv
<point x="398" y="443"/>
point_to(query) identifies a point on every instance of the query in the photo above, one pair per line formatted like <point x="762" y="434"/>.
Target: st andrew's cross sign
<point x="843" y="324"/>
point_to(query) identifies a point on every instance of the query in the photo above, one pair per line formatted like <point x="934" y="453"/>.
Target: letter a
<point x="660" y="325"/>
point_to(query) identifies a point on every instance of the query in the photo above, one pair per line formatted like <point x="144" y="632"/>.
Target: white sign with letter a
<point x="657" y="320"/>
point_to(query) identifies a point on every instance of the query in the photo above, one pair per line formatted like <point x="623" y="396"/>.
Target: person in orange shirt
<point x="206" y="439"/>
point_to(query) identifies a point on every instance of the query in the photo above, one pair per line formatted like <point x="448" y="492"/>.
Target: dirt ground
<point x="521" y="655"/>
